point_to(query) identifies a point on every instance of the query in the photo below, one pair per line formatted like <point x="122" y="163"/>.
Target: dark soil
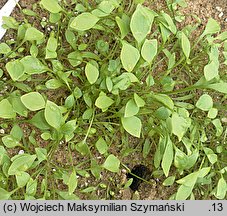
<point x="204" y="9"/>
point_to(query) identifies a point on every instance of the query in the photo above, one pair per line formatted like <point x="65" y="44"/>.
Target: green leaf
<point x="53" y="84"/>
<point x="4" y="195"/>
<point x="169" y="181"/>
<point x="146" y="148"/>
<point x="75" y="58"/>
<point x="211" y="70"/>
<point x="32" y="34"/>
<point x="123" y="24"/>
<point x="84" y="21"/>
<point x="31" y="187"/>
<point x="10" y="142"/>
<point x="65" y="195"/>
<point x="33" y="101"/>
<point x="212" y="27"/>
<point x="69" y="127"/>
<point x="141" y="23"/>
<point x="205" y="102"/>
<point x="72" y="183"/>
<point x="220" y="87"/>
<point x="51" y="5"/>
<point x="103" y="102"/>
<point x="167" y="157"/>
<point x="41" y="154"/>
<point x="95" y="169"/>
<point x="149" y="50"/>
<point x="53" y="115"/>
<point x="15" y="69"/>
<point x="82" y="147"/>
<point x="164" y="99"/>
<point x="101" y="146"/>
<point x="213" y="158"/>
<point x="22" y="178"/>
<point x="169" y="24"/>
<point x="4" y="48"/>
<point x="38" y="120"/>
<point x="221" y="188"/>
<point x="112" y="163"/>
<point x="131" y="108"/>
<point x="21" y="163"/>
<point x="138" y="100"/>
<point x="212" y="113"/>
<point x="128" y="183"/>
<point x="91" y="72"/>
<point x="179" y="125"/>
<point x="6" y="110"/>
<point x="132" y="125"/>
<point x="109" y="84"/>
<point x="32" y="65"/>
<point x="218" y="126"/>
<point x="89" y="189"/>
<point x="51" y="48"/>
<point x="17" y="105"/>
<point x="185" y="44"/>
<point x="105" y="8"/>
<point x="187" y="186"/>
<point x="129" y="56"/>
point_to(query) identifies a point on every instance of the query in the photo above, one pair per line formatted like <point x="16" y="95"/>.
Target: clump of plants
<point x="94" y="74"/>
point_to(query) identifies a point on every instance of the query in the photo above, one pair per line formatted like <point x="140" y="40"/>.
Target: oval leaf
<point x="6" y="110"/>
<point x="131" y="108"/>
<point x="84" y="21"/>
<point x="53" y="115"/>
<point x="15" y="69"/>
<point x="132" y="125"/>
<point x="51" y="5"/>
<point x="205" y="102"/>
<point x="141" y="22"/>
<point x="149" y="50"/>
<point x="129" y="56"/>
<point x="33" y="101"/>
<point x="112" y="163"/>
<point x="91" y="72"/>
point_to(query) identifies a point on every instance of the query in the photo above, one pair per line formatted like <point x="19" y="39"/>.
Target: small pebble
<point x="21" y="152"/>
<point x="2" y="131"/>
<point x="54" y="170"/>
<point x="221" y="15"/>
<point x="218" y="8"/>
